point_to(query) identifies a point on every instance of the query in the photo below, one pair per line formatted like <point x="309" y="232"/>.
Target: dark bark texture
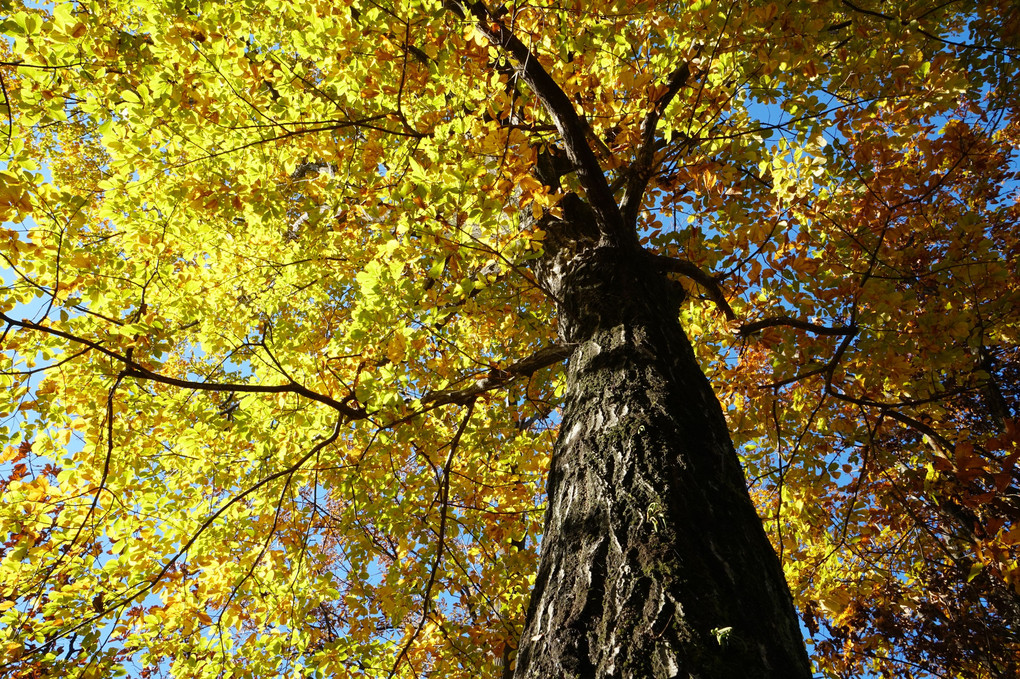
<point x="654" y="562"/>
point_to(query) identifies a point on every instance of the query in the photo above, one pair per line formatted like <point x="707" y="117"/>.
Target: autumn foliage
<point x="280" y="388"/>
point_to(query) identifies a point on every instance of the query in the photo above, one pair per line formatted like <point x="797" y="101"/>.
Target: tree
<point x="290" y="289"/>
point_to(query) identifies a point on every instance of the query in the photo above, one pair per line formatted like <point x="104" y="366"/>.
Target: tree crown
<point x="281" y="383"/>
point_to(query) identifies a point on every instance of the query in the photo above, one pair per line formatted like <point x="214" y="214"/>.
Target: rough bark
<point x="654" y="562"/>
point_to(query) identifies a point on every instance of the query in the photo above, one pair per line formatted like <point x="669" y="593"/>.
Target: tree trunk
<point x="654" y="562"/>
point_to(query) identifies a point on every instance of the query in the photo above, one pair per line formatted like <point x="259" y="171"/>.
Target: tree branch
<point x="640" y="170"/>
<point x="497" y="378"/>
<point x="705" y="280"/>
<point x="443" y="496"/>
<point x="749" y="329"/>
<point x="150" y="581"/>
<point x="134" y="369"/>
<point x="829" y="369"/>
<point x="569" y="125"/>
<point x="911" y="23"/>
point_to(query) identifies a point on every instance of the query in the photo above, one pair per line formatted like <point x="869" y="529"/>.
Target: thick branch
<point x="497" y="378"/>
<point x="641" y="170"/>
<point x="705" y="280"/>
<point x="569" y="125"/>
<point x="749" y="329"/>
<point x="135" y="369"/>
